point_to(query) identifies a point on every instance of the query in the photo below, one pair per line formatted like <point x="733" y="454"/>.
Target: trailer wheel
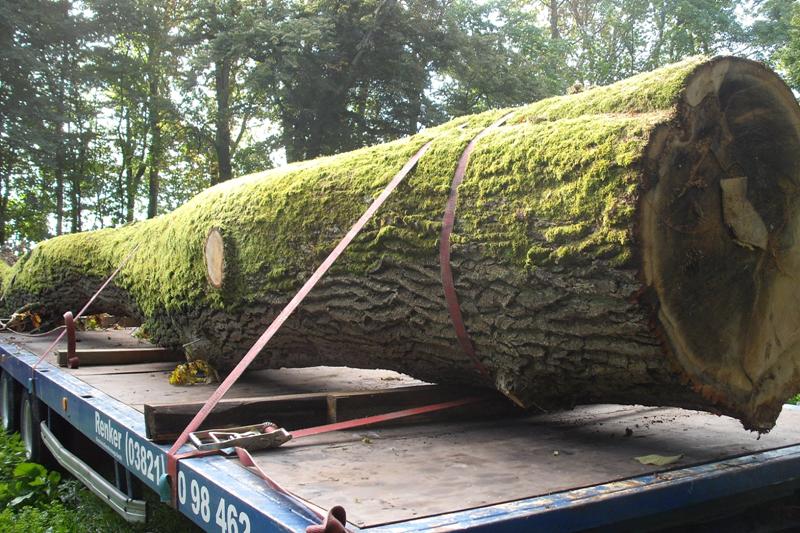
<point x="9" y="403"/>
<point x="30" y="420"/>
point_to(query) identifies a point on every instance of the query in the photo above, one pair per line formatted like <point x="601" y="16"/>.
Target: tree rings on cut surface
<point x="721" y="237"/>
<point x="214" y="253"/>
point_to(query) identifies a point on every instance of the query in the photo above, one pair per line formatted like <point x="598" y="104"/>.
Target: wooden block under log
<point x="109" y="321"/>
<point x="164" y="422"/>
<point x="121" y="356"/>
<point x="347" y="405"/>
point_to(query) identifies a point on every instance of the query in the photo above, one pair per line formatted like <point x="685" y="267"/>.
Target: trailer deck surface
<point x="393" y="474"/>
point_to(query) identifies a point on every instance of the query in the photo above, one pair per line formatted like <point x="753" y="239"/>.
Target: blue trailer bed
<point x="562" y="471"/>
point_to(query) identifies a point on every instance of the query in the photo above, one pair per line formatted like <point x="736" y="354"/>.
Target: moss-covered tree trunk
<point x="633" y="243"/>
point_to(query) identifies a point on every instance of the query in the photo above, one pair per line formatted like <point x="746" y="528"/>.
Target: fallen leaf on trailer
<point x="659" y="460"/>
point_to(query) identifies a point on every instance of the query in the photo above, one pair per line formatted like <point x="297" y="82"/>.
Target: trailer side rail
<point x="220" y="495"/>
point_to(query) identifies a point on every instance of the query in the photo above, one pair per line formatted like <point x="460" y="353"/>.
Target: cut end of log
<point x="214" y="253"/>
<point x="720" y="233"/>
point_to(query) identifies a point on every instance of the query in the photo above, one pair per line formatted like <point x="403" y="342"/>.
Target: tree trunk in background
<point x="553" y="16"/>
<point x="75" y="186"/>
<point x="133" y="178"/>
<point x="155" y="151"/>
<point x="152" y="194"/>
<point x="289" y="142"/>
<point x="632" y="243"/>
<point x="59" y="177"/>
<point x="5" y="177"/>
<point x="130" y="196"/>
<point x="415" y="105"/>
<point x="75" y="201"/>
<point x="222" y="136"/>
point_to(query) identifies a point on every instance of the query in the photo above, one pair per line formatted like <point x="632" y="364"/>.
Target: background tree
<point x="41" y="101"/>
<point x="219" y="96"/>
<point x="136" y="61"/>
<point x="117" y="110"/>
<point x="500" y="55"/>
<point x="776" y="37"/>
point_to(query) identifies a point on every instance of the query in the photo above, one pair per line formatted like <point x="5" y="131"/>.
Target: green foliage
<point x="30" y="484"/>
<point x="13" y="453"/>
<point x="5" y="270"/>
<point x="770" y="32"/>
<point x="23" y="483"/>
<point x="34" y="500"/>
<point x="217" y="79"/>
<point x="113" y="110"/>
<point x="501" y="56"/>
<point x="73" y="508"/>
<point x="52" y="516"/>
<point x="617" y="38"/>
<point x="643" y="93"/>
<point x="344" y="75"/>
<point x="789" y="56"/>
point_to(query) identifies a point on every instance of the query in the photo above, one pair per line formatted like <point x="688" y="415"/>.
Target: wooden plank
<point x="152" y="387"/>
<point x="109" y="321"/>
<point x="121" y="356"/>
<point x="164" y="422"/>
<point x="348" y="406"/>
<point x="146" y="369"/>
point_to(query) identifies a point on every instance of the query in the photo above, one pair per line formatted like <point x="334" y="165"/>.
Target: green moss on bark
<point x="556" y="184"/>
<point x="563" y="190"/>
<point x="5" y="272"/>
<point x="657" y="90"/>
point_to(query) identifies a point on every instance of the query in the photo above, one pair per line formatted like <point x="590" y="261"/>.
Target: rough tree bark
<point x="633" y="243"/>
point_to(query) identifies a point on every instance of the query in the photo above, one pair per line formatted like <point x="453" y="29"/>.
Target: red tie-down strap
<point x="383" y="417"/>
<point x="69" y="326"/>
<point x="334" y="522"/>
<point x="247" y="461"/>
<point x="172" y="455"/>
<point x="336" y="519"/>
<point x="448" y="221"/>
<point x="69" y="321"/>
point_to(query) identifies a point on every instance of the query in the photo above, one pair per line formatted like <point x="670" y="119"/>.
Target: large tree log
<point x="633" y="243"/>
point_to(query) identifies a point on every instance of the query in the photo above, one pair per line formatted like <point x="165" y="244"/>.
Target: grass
<point x="33" y="500"/>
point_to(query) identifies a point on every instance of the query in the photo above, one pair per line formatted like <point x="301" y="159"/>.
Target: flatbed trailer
<point x="564" y="471"/>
